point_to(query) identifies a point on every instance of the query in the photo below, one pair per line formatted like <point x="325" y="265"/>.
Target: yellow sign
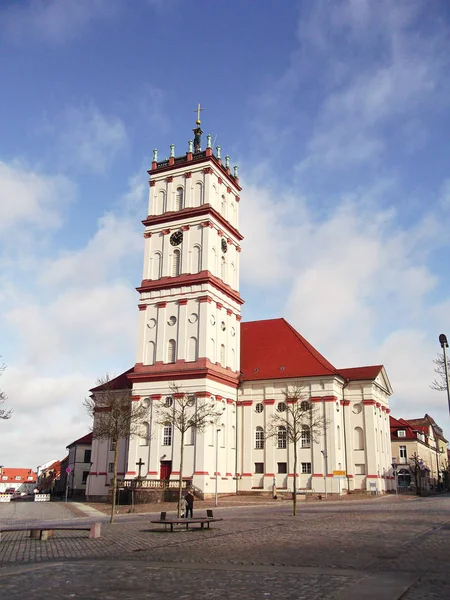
<point x="339" y="474"/>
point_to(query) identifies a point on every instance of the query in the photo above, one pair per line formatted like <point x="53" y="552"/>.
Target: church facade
<point x="191" y="339"/>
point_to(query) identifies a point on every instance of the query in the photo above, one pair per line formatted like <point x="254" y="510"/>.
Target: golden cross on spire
<point x="197" y="110"/>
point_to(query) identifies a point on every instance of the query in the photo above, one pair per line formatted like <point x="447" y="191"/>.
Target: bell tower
<point x="189" y="305"/>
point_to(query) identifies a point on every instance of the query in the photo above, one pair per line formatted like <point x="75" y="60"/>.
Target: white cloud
<point x="54" y="21"/>
<point x="90" y="138"/>
<point x="28" y="197"/>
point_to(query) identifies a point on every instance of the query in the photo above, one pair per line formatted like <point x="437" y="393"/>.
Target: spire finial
<point x="197" y="110"/>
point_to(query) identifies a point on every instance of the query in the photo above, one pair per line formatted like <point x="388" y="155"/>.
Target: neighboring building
<point x="190" y="334"/>
<point x="19" y="480"/>
<point x="48" y="476"/>
<point x="419" y="450"/>
<point x="79" y="463"/>
<point x="60" y="486"/>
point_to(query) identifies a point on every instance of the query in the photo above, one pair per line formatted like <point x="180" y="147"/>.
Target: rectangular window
<point x="87" y="456"/>
<point x="281" y="437"/>
<point x="112" y="446"/>
<point x="282" y="467"/>
<point x="401" y="433"/>
<point x="167" y="435"/>
<point x="402" y="455"/>
<point x="17" y="477"/>
<point x="306" y="467"/>
<point x="111" y="468"/>
<point x="30" y="478"/>
<point x="360" y="469"/>
<point x="5" y="477"/>
<point x="306" y="437"/>
<point x="259" y="467"/>
<point x="85" y="476"/>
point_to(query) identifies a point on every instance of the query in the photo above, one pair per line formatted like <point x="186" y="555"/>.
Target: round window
<point x="223" y="326"/>
<point x="193" y="318"/>
<point x="145" y="402"/>
<point x="213" y="320"/>
<point x="259" y="407"/>
<point x="151" y="323"/>
<point x="172" y="320"/>
<point x="169" y="401"/>
<point x="281" y="407"/>
<point x="357" y="408"/>
<point x="233" y="331"/>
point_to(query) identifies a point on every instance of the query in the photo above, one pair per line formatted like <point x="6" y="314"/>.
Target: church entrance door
<point x="165" y="469"/>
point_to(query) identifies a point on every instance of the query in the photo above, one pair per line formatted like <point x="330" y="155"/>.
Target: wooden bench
<point x="202" y="521"/>
<point x="43" y="532"/>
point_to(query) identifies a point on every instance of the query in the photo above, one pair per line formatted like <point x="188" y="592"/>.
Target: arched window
<point x="231" y="219"/>
<point x="171" y="351"/>
<point x="214" y="261"/>
<point x="198" y="194"/>
<point x="358" y="439"/>
<point x="150" y="358"/>
<point x="176" y="263"/>
<point x="223" y="435"/>
<point x="223" y="206"/>
<point x="143" y="441"/>
<point x="233" y="359"/>
<point x="233" y="276"/>
<point x="259" y="438"/>
<point x="179" y="197"/>
<point x="192" y="349"/>
<point x="190" y="436"/>
<point x="338" y="436"/>
<point x="306" y="437"/>
<point x="213" y="350"/>
<point x="281" y="437"/>
<point x="196" y="265"/>
<point x="222" y="355"/>
<point x="156" y="265"/>
<point x="222" y="268"/>
<point x="305" y="405"/>
<point x="376" y="440"/>
<point x="160" y="203"/>
<point x="233" y="437"/>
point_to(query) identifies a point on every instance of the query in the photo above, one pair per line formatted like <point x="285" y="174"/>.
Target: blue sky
<point x="337" y="115"/>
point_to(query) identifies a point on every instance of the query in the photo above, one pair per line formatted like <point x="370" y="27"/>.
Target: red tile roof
<point x="360" y="373"/>
<point x="121" y="382"/>
<point x="86" y="439"/>
<point x="12" y="473"/>
<point x="273" y="349"/>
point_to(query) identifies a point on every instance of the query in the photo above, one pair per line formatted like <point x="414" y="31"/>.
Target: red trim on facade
<point x="175" y="473"/>
<point x="161" y="304"/>
<point x="268" y="402"/>
<point x="388" y="410"/>
<point x="345" y="402"/>
<point x="152" y="183"/>
<point x="269" y="474"/>
<point x="329" y="398"/>
<point x="245" y="403"/>
<point x="130" y="473"/>
<point x="103" y="473"/>
<point x="205" y="299"/>
<point x="229" y="312"/>
<point x="315" y="399"/>
<point x="204" y="277"/>
<point x="202" y="368"/>
<point x="238" y="318"/>
<point x="92" y="473"/>
<point x="203" y="394"/>
<point x="185" y="227"/>
<point x="247" y="475"/>
<point x="201" y="473"/>
<point x="369" y="402"/>
<point x="152" y="473"/>
<point x="219" y="180"/>
<point x="378" y="404"/>
<point x="147" y="234"/>
<point x="178" y="395"/>
<point x="182" y="302"/>
<point x="142" y="306"/>
<point x="188" y="175"/>
<point x="192" y="212"/>
<point x="230" y="401"/>
<point x="372" y="476"/>
<point x="156" y="396"/>
<point x="169" y="179"/>
<point x="135" y="398"/>
<point x="318" y="475"/>
<point x="207" y="170"/>
<point x="218" y="305"/>
<point x="330" y="475"/>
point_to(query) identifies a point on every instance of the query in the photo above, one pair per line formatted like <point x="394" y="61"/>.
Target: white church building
<point x="190" y="334"/>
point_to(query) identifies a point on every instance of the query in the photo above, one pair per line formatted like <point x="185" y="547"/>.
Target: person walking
<point x="189" y="504"/>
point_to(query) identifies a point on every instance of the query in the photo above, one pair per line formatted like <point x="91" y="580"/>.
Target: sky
<point x="336" y="113"/>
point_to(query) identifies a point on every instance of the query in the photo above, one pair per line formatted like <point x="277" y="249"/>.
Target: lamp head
<point x="443" y="340"/>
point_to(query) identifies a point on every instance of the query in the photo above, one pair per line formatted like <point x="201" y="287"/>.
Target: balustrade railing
<point x="161" y="484"/>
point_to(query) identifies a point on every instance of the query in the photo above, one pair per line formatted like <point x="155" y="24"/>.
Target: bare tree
<point x="301" y="419"/>
<point x="5" y="413"/>
<point x="185" y="412"/>
<point x="440" y="383"/>
<point x="416" y="466"/>
<point x="115" y="416"/>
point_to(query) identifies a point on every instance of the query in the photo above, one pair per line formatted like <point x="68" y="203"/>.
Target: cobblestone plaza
<point x="380" y="548"/>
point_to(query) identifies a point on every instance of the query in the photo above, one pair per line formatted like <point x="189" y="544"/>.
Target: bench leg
<point x="95" y="530"/>
<point x="46" y="533"/>
<point x="171" y="528"/>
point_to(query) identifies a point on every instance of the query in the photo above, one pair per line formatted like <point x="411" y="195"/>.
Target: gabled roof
<point x="86" y="439"/>
<point x="121" y="382"/>
<point x="361" y="373"/>
<point x="401" y="424"/>
<point x="273" y="349"/>
<point x="12" y="473"/>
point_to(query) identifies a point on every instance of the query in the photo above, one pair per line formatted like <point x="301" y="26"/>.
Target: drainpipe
<point x="236" y="436"/>
<point x="345" y="434"/>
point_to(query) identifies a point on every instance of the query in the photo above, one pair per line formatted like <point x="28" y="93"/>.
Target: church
<point x="190" y="335"/>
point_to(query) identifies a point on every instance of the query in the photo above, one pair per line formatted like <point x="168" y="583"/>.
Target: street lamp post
<point x="325" y="456"/>
<point x="216" y="501"/>
<point x="444" y="346"/>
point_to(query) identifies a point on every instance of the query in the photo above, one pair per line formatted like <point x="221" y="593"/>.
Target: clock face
<point x="224" y="245"/>
<point x="176" y="238"/>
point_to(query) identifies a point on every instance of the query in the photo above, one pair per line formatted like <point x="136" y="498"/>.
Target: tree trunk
<point x="294" y="494"/>
<point x="180" y="477"/>
<point x="114" y="491"/>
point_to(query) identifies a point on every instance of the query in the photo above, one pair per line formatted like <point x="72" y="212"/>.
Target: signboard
<point x="42" y="497"/>
<point x="5" y="497"/>
<point x="68" y="470"/>
<point x="339" y="474"/>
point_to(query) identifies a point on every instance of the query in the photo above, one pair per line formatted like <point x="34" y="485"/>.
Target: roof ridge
<point x="311" y="349"/>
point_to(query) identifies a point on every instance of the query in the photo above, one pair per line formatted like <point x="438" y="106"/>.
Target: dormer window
<point x="401" y="433"/>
